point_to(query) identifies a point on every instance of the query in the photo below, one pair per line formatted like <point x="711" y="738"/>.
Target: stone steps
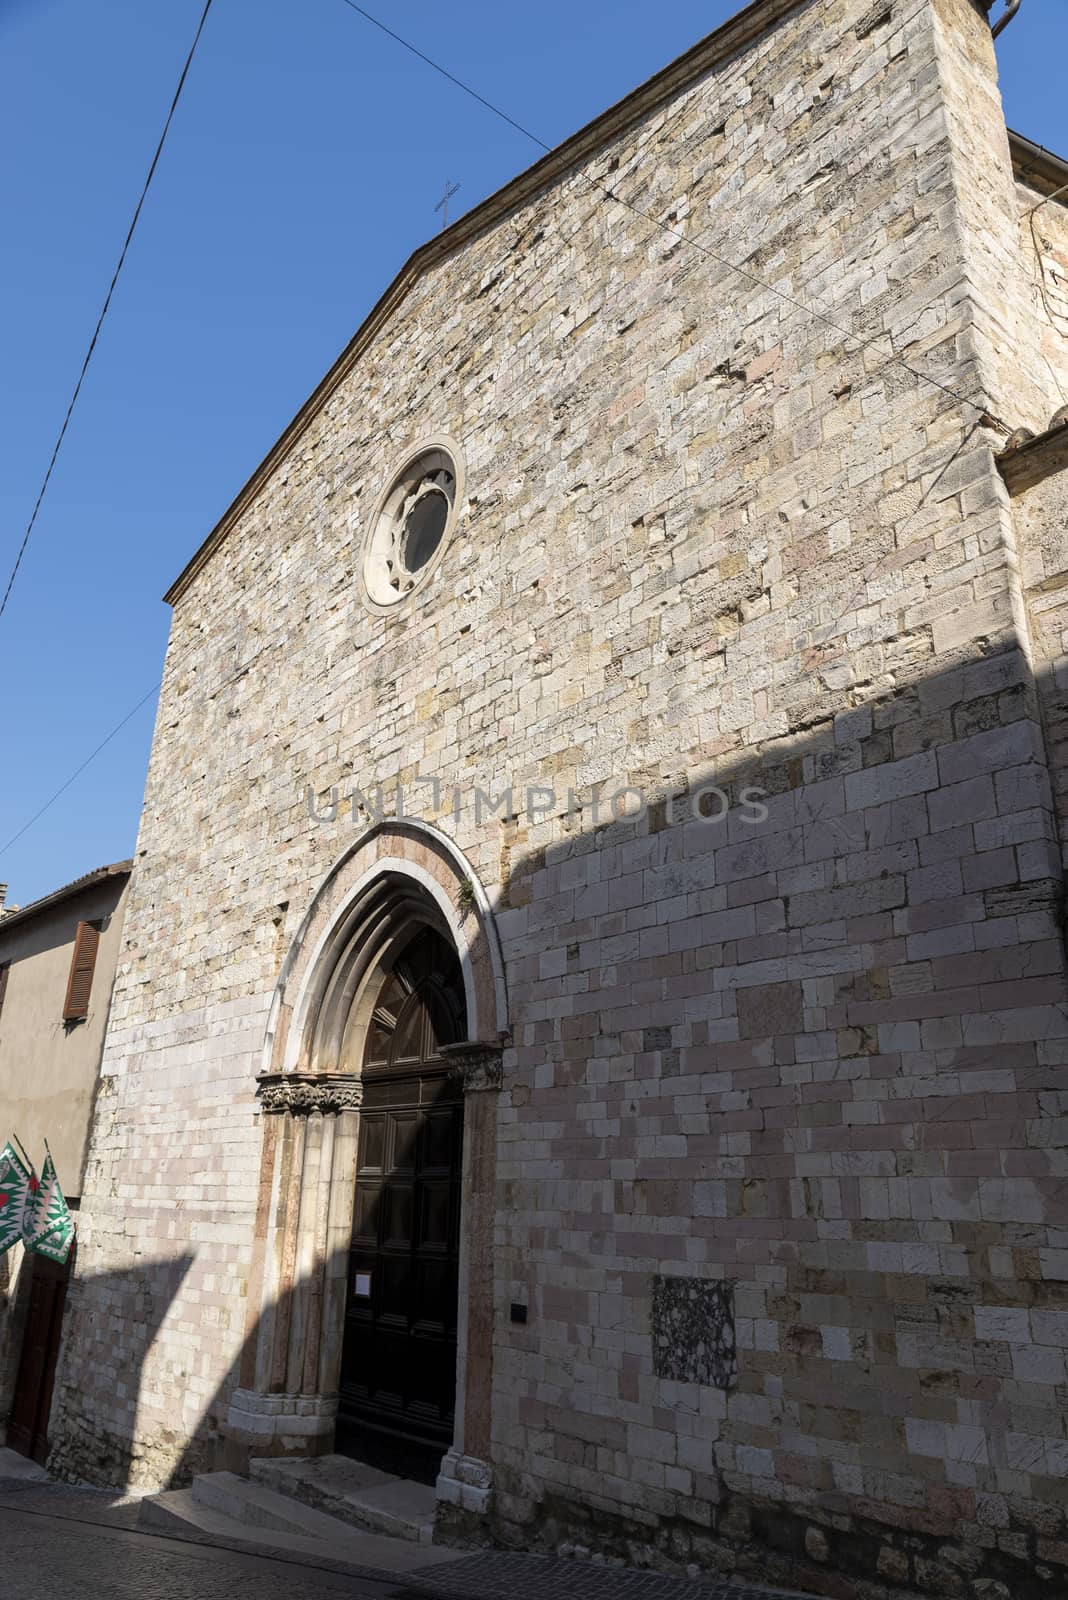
<point x="231" y="1496"/>
<point x="359" y="1495"/>
<point x="176" y="1512"/>
<point x="221" y="1506"/>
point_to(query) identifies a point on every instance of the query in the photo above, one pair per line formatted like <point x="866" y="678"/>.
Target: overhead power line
<point x="674" y="233"/>
<point x="79" y="770"/>
<point x="599" y="188"/>
<point x="107" y="303"/>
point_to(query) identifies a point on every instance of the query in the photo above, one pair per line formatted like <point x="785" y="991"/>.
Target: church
<point x="591" y="1030"/>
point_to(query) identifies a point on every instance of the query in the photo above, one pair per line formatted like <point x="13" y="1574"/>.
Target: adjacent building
<point x="57" y="966"/>
<point x="594" y="1020"/>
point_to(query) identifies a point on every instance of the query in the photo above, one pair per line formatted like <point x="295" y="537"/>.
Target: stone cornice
<point x="734" y="35"/>
<point x="301" y="1094"/>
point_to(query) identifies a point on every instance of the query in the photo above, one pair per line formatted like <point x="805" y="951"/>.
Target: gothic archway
<point x="400" y="883"/>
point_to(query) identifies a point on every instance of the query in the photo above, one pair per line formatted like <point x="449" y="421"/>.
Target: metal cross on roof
<point x="443" y="203"/>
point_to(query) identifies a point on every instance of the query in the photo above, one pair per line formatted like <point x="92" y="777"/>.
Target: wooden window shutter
<point x="3" y="982"/>
<point x="80" y="982"/>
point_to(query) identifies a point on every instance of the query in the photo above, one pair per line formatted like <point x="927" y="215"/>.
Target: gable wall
<point x="702" y="538"/>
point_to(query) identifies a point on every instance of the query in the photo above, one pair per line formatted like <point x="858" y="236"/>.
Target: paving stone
<point x="496" y="1576"/>
<point x="56" y="1541"/>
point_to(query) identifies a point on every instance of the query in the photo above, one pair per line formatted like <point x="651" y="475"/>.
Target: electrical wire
<point x="104" y="311"/>
<point x="527" y="134"/>
<point x="674" y="233"/>
<point x="79" y="770"/>
<point x="1051" y="312"/>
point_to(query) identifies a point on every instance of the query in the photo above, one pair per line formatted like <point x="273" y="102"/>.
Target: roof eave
<point x="1033" y="164"/>
<point x="88" y="880"/>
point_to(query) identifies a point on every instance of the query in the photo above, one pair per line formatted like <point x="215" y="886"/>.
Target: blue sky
<point x="302" y="168"/>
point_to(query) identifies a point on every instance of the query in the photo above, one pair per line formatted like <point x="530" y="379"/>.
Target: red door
<point x="27" y="1428"/>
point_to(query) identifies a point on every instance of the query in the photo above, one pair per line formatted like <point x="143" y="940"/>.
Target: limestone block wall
<point x="1004" y="316"/>
<point x="1044" y="247"/>
<point x="831" y="1074"/>
<point x="156" y="1307"/>
<point x="1037" y="482"/>
<point x="706" y="537"/>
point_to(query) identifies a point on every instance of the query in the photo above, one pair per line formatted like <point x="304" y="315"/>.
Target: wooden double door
<point x="398" y="1372"/>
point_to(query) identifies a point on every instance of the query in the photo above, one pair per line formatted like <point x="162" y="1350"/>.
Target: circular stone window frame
<point x="378" y="538"/>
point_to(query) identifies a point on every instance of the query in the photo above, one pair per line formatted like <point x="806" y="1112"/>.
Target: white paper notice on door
<point x="363" y="1284"/>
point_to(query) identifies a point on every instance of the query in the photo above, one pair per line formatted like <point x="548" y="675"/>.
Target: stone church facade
<point x="593" y="1014"/>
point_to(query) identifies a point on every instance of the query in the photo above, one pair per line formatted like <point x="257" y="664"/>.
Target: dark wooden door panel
<point x="398" y="1374"/>
<point x="27" y="1428"/>
<point x="399" y="1361"/>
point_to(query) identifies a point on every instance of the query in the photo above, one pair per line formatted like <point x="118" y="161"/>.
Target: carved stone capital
<point x="300" y="1094"/>
<point x="288" y="1094"/>
<point x="479" y="1065"/>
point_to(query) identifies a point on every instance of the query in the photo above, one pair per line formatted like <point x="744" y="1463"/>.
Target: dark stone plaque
<point x="693" y="1330"/>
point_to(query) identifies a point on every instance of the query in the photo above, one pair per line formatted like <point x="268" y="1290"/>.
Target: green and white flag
<point x="51" y="1230"/>
<point x="16" y="1198"/>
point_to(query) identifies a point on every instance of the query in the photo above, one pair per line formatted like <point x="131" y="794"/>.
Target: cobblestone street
<point x="69" y="1561"/>
<point x="79" y="1544"/>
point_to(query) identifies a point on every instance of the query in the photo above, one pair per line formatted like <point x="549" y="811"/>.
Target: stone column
<point x="342" y="1191"/>
<point x="287" y="1400"/>
<point x="465" y="1482"/>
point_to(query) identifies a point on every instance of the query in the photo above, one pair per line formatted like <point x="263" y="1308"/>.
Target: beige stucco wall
<point x="49" y="1068"/>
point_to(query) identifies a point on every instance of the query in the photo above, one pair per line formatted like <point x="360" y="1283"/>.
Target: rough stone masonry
<point x="774" y="1158"/>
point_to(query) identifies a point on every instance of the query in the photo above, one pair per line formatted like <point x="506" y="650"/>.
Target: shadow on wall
<point x="205" y="1449"/>
<point x="110" y="1324"/>
<point x="810" y="1056"/>
<point x="199" y="1444"/>
<point x="120" y="1460"/>
<point x="819" y="1057"/>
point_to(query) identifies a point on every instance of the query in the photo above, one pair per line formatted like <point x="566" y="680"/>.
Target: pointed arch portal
<point x="370" y="1320"/>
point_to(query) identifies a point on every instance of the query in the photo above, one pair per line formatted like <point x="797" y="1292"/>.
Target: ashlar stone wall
<point x="815" y="1062"/>
<point x="1043" y="216"/>
<point x="1037" y="477"/>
